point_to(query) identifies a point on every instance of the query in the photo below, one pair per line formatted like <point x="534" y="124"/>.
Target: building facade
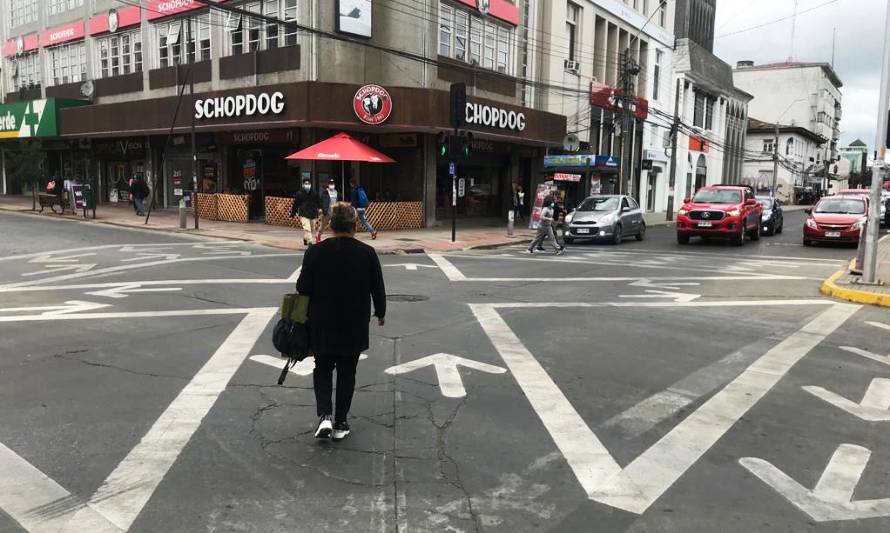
<point x="856" y="157"/>
<point x="583" y="43"/>
<point x="270" y="78"/>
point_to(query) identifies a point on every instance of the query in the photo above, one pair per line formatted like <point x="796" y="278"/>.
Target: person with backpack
<point x="307" y="205"/>
<point x="341" y="276"/>
<point x="360" y="202"/>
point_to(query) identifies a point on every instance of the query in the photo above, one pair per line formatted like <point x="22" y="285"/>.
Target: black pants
<point x="322" y="379"/>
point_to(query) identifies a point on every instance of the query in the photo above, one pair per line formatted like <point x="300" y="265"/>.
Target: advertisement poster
<point x="250" y="175"/>
<point x="77" y="192"/>
<point x="543" y="191"/>
<point x="596" y="185"/>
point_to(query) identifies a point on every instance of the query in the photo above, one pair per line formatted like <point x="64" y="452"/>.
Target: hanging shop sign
<point x="21" y="44"/>
<point x="62" y="34"/>
<point x="562" y="176"/>
<point x="241" y="105"/>
<point x="506" y="10"/>
<point x="581" y="160"/>
<point x="698" y="144"/>
<point x="257" y="137"/>
<point x="156" y="9"/>
<point x="494" y="117"/>
<point x="607" y="97"/>
<point x="372" y="104"/>
<point x="35" y="118"/>
<point x="114" y="20"/>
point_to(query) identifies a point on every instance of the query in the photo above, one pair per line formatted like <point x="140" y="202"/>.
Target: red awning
<point x="341" y="147"/>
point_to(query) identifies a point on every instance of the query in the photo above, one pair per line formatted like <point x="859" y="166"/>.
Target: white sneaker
<point x="341" y="430"/>
<point x="325" y="428"/>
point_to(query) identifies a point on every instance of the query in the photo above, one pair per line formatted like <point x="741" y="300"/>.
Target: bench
<point x="51" y="200"/>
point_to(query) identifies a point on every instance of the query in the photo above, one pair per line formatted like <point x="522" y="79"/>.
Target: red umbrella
<point x="341" y="147"/>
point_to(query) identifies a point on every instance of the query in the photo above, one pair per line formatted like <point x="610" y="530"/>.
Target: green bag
<point x="295" y="307"/>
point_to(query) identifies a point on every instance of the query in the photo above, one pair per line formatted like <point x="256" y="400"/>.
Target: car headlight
<point x="734" y="213"/>
<point x="569" y="217"/>
<point x="683" y="212"/>
<point x="812" y="224"/>
<point x="859" y="225"/>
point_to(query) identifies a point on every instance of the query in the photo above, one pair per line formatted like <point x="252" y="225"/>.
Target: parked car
<point x="720" y="211"/>
<point x="605" y="217"/>
<point x="836" y="219"/>
<point x="772" y="220"/>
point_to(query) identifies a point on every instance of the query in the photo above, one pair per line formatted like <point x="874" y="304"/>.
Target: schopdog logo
<point x="19" y="44"/>
<point x="484" y="6"/>
<point x="113" y="21"/>
<point x="372" y="104"/>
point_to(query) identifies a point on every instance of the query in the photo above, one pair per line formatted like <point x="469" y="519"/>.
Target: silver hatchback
<point x="605" y="217"/>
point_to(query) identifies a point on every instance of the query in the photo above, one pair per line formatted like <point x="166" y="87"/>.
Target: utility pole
<point x="629" y="68"/>
<point x="194" y="59"/>
<point x="775" y="162"/>
<point x="870" y="263"/>
<point x="675" y="135"/>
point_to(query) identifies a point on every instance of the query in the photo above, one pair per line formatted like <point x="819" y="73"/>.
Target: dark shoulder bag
<point x="291" y="334"/>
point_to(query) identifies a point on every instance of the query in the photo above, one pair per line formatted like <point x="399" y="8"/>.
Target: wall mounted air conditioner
<point x="572" y="66"/>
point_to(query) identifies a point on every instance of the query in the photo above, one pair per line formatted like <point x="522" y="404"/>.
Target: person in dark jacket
<point x="341" y="276"/>
<point x="359" y="199"/>
<point x="329" y="198"/>
<point x="140" y="192"/>
<point x="307" y="205"/>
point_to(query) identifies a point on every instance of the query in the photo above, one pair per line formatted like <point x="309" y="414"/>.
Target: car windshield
<point x="841" y="206"/>
<point x="718" y="196"/>
<point x="599" y="204"/>
<point x="767" y="203"/>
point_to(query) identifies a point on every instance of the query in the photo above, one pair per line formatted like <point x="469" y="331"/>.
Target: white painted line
<point x="151" y="283"/>
<point x="124" y="291"/>
<point x="79" y="268"/>
<point x="71" y="306"/>
<point x="411" y="266"/>
<point x="293" y="277"/>
<point x="39" y="504"/>
<point x="451" y="272"/>
<point x="303" y="368"/>
<point x="584" y="452"/>
<point x="135" y="314"/>
<point x="123" y="495"/>
<point x="751" y="278"/>
<point x="878" y="325"/>
<point x="874" y="406"/>
<point x="865" y="353"/>
<point x="716" y="303"/>
<point x="446" y="365"/>
<point x="655" y="293"/>
<point x="832" y="498"/>
<point x="648" y="476"/>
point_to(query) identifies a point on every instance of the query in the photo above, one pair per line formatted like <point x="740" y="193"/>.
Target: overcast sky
<point x="860" y="28"/>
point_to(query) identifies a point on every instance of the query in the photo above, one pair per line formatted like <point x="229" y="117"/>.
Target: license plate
<point x="581" y="231"/>
<point x="832" y="234"/>
<point x="705" y="224"/>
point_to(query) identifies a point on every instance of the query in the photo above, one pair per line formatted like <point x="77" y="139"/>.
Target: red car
<point x="836" y="219"/>
<point x="720" y="211"/>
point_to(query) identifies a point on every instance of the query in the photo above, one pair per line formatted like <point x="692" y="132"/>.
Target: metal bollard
<point x="511" y="216"/>
<point x="183" y="212"/>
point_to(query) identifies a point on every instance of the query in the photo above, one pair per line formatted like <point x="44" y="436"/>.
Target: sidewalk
<point x="470" y="234"/>
<point x="846" y="286"/>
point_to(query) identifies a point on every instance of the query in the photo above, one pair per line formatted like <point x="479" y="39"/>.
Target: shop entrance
<point x="482" y="194"/>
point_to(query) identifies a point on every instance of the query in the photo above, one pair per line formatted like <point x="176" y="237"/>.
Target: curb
<point x="830" y="288"/>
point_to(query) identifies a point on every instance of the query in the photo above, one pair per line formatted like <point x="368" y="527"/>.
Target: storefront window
<point x="250" y="34"/>
<point x="68" y="63"/>
<point x="120" y="54"/>
<point x="24" y="71"/>
<point x="490" y="44"/>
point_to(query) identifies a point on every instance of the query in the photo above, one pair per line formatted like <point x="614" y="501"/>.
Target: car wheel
<point x="682" y="238"/>
<point x="807" y="242"/>
<point x="642" y="234"/>
<point x="568" y="240"/>
<point x="739" y="240"/>
<point x="617" y="236"/>
<point x="755" y="235"/>
<point x="779" y="229"/>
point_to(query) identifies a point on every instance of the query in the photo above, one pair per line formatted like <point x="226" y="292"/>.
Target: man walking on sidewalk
<point x="545" y="229"/>
<point x="328" y="200"/>
<point x="341" y="276"/>
<point x="360" y="202"/>
<point x="140" y="192"/>
<point x="307" y="205"/>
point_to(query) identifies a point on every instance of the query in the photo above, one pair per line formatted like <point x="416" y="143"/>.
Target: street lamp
<point x="776" y="147"/>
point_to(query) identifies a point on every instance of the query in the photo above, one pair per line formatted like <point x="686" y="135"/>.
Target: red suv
<point x="720" y="211"/>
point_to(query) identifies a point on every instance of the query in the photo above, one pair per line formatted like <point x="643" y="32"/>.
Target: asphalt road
<point x="642" y="387"/>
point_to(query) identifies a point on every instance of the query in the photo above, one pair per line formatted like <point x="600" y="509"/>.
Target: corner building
<point x="118" y="79"/>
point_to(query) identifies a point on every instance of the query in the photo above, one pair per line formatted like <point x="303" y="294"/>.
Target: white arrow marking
<point x="878" y="325"/>
<point x="832" y="498"/>
<point x="446" y="371"/>
<point x="412" y="266"/>
<point x="122" y="291"/>
<point x="61" y="268"/>
<point x="676" y="296"/>
<point x="451" y="272"/>
<point x="874" y="406"/>
<point x="148" y="256"/>
<point x="71" y="306"/>
<point x="49" y="258"/>
<point x="672" y="285"/>
<point x="865" y="353"/>
<point x="303" y="368"/>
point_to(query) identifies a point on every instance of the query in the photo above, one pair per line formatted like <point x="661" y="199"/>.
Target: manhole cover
<point x="407" y="298"/>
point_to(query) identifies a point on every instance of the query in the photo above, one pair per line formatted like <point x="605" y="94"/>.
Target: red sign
<point x="63" y="33"/>
<point x="21" y="44"/>
<point x="156" y="9"/>
<point x="372" y="104"/>
<point x="560" y="176"/>
<point x="500" y="9"/>
<point x="607" y="97"/>
<point x="114" y="19"/>
<point x="698" y="144"/>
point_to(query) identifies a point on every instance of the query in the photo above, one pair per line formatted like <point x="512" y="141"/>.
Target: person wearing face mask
<point x="307" y="205"/>
<point x="545" y="229"/>
<point x="329" y="198"/>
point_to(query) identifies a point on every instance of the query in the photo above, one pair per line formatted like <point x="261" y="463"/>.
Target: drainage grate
<point x="406" y="298"/>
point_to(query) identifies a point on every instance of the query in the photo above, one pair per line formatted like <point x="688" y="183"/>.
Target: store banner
<point x="35" y="118"/>
<point x="156" y="9"/>
<point x="607" y="97"/>
<point x="21" y="44"/>
<point x="62" y="34"/>
<point x="506" y="10"/>
<point x="115" y="19"/>
<point x="562" y="176"/>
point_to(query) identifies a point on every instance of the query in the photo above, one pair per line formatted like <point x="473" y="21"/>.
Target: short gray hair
<point x="343" y="218"/>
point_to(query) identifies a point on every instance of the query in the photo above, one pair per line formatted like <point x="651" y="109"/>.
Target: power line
<point x="776" y="21"/>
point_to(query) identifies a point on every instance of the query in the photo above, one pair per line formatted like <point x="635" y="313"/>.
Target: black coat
<point x="140" y="190"/>
<point x="341" y="276"/>
<point x="306" y="204"/>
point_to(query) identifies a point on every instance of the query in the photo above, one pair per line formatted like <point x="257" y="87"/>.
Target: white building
<point x="805" y="95"/>
<point x="797" y="151"/>
<point x="580" y="53"/>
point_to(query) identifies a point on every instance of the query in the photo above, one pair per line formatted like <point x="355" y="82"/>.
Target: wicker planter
<point x="389" y="216"/>
<point x="208" y="206"/>
<point x="278" y="212"/>
<point x="233" y="207"/>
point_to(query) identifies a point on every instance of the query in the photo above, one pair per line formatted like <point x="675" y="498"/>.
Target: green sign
<point x="35" y="118"/>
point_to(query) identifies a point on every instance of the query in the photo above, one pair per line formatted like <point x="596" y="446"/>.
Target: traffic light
<point x="442" y="143"/>
<point x="466" y="144"/>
